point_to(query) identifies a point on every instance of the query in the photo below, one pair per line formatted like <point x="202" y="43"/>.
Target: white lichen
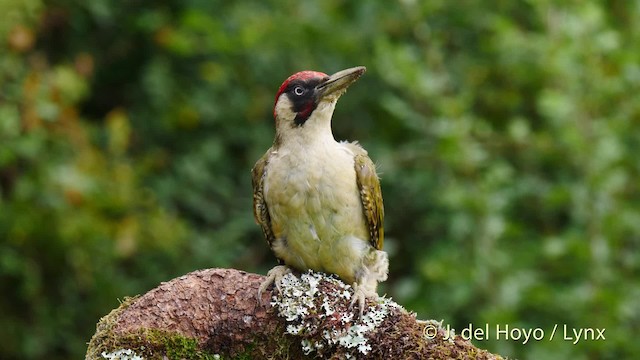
<point x="122" y="354"/>
<point x="337" y="327"/>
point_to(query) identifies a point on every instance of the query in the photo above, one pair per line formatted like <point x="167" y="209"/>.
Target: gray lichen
<point x="314" y="307"/>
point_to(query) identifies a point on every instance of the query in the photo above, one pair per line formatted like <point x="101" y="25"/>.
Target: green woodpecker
<point x="318" y="200"/>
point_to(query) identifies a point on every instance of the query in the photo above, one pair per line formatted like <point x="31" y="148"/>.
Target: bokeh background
<point x="507" y="135"/>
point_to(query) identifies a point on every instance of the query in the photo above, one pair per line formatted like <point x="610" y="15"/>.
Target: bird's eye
<point x="298" y="90"/>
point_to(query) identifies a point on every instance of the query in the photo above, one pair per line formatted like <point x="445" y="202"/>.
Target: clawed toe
<point x="360" y="294"/>
<point x="273" y="276"/>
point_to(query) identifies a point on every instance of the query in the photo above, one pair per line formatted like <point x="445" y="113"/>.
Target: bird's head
<point x="305" y="101"/>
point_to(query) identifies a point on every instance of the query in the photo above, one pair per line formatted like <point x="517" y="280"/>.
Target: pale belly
<point x="316" y="213"/>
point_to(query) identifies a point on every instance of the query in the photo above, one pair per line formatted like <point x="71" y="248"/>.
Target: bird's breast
<point x="314" y="203"/>
<point x="317" y="181"/>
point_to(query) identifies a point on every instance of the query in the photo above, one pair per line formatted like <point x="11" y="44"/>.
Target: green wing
<point x="260" y="210"/>
<point x="370" y="194"/>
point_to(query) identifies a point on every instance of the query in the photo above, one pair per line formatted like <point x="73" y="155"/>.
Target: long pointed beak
<point x="336" y="84"/>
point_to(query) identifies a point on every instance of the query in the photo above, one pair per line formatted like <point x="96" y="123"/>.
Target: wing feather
<point x="260" y="210"/>
<point x="370" y="194"/>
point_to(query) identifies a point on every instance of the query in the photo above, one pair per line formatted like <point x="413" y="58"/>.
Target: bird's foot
<point x="360" y="293"/>
<point x="273" y="276"/>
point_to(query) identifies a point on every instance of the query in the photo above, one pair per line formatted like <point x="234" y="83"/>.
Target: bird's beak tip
<point x="340" y="81"/>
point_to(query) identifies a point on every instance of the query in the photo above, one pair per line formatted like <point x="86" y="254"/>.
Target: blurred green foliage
<point x="506" y="132"/>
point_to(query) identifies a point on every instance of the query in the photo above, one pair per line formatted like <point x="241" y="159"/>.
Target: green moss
<point x="104" y="340"/>
<point x="155" y="344"/>
<point x="179" y="347"/>
<point x="175" y="346"/>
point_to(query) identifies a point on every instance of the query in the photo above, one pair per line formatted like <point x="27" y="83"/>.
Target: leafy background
<point x="507" y="134"/>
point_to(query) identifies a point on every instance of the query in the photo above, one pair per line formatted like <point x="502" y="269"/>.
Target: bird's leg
<point x="273" y="276"/>
<point x="376" y="266"/>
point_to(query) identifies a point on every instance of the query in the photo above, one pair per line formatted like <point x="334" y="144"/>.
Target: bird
<point x="318" y="200"/>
